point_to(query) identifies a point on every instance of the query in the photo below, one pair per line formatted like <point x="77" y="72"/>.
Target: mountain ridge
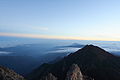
<point x="92" y="60"/>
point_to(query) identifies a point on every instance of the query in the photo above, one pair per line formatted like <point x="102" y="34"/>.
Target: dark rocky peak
<point x="50" y="76"/>
<point x="7" y="74"/>
<point x="91" y="49"/>
<point x="93" y="61"/>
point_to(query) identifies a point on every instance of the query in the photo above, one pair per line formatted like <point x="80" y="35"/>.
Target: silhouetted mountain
<point x="92" y="60"/>
<point x="75" y="45"/>
<point x="7" y="74"/>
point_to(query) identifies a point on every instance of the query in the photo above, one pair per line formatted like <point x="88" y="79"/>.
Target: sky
<point x="61" y="19"/>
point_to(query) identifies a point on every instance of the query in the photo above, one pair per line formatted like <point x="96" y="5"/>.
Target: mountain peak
<point x="94" y="62"/>
<point x="91" y="47"/>
<point x="94" y="50"/>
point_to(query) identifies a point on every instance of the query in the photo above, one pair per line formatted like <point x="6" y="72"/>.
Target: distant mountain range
<point x="75" y="45"/>
<point x="30" y="56"/>
<point x="94" y="63"/>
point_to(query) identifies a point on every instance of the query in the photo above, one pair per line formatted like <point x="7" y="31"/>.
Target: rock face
<point x="74" y="73"/>
<point x="7" y="74"/>
<point x="50" y="76"/>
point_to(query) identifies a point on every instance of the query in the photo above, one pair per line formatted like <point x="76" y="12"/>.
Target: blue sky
<point x="62" y="19"/>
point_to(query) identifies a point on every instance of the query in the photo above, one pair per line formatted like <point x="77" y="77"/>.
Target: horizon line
<point x="38" y="36"/>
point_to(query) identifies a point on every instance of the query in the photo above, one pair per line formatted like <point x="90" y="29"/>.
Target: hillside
<point x="93" y="61"/>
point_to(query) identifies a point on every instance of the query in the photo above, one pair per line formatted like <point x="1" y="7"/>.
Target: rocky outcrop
<point x="7" y="74"/>
<point x="74" y="73"/>
<point x="50" y="76"/>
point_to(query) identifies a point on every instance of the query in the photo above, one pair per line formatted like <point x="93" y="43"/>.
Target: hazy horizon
<point x="61" y="19"/>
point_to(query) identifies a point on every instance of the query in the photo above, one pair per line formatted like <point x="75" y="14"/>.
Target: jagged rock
<point x="7" y="74"/>
<point x="50" y="76"/>
<point x="74" y="73"/>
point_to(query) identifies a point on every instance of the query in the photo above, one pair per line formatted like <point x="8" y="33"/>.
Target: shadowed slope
<point x="92" y="60"/>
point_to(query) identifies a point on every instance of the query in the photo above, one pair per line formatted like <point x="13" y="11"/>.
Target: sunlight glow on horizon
<point x="54" y="37"/>
<point x="61" y="19"/>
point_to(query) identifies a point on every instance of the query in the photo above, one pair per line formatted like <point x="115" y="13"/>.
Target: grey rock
<point x="7" y="74"/>
<point x="74" y="73"/>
